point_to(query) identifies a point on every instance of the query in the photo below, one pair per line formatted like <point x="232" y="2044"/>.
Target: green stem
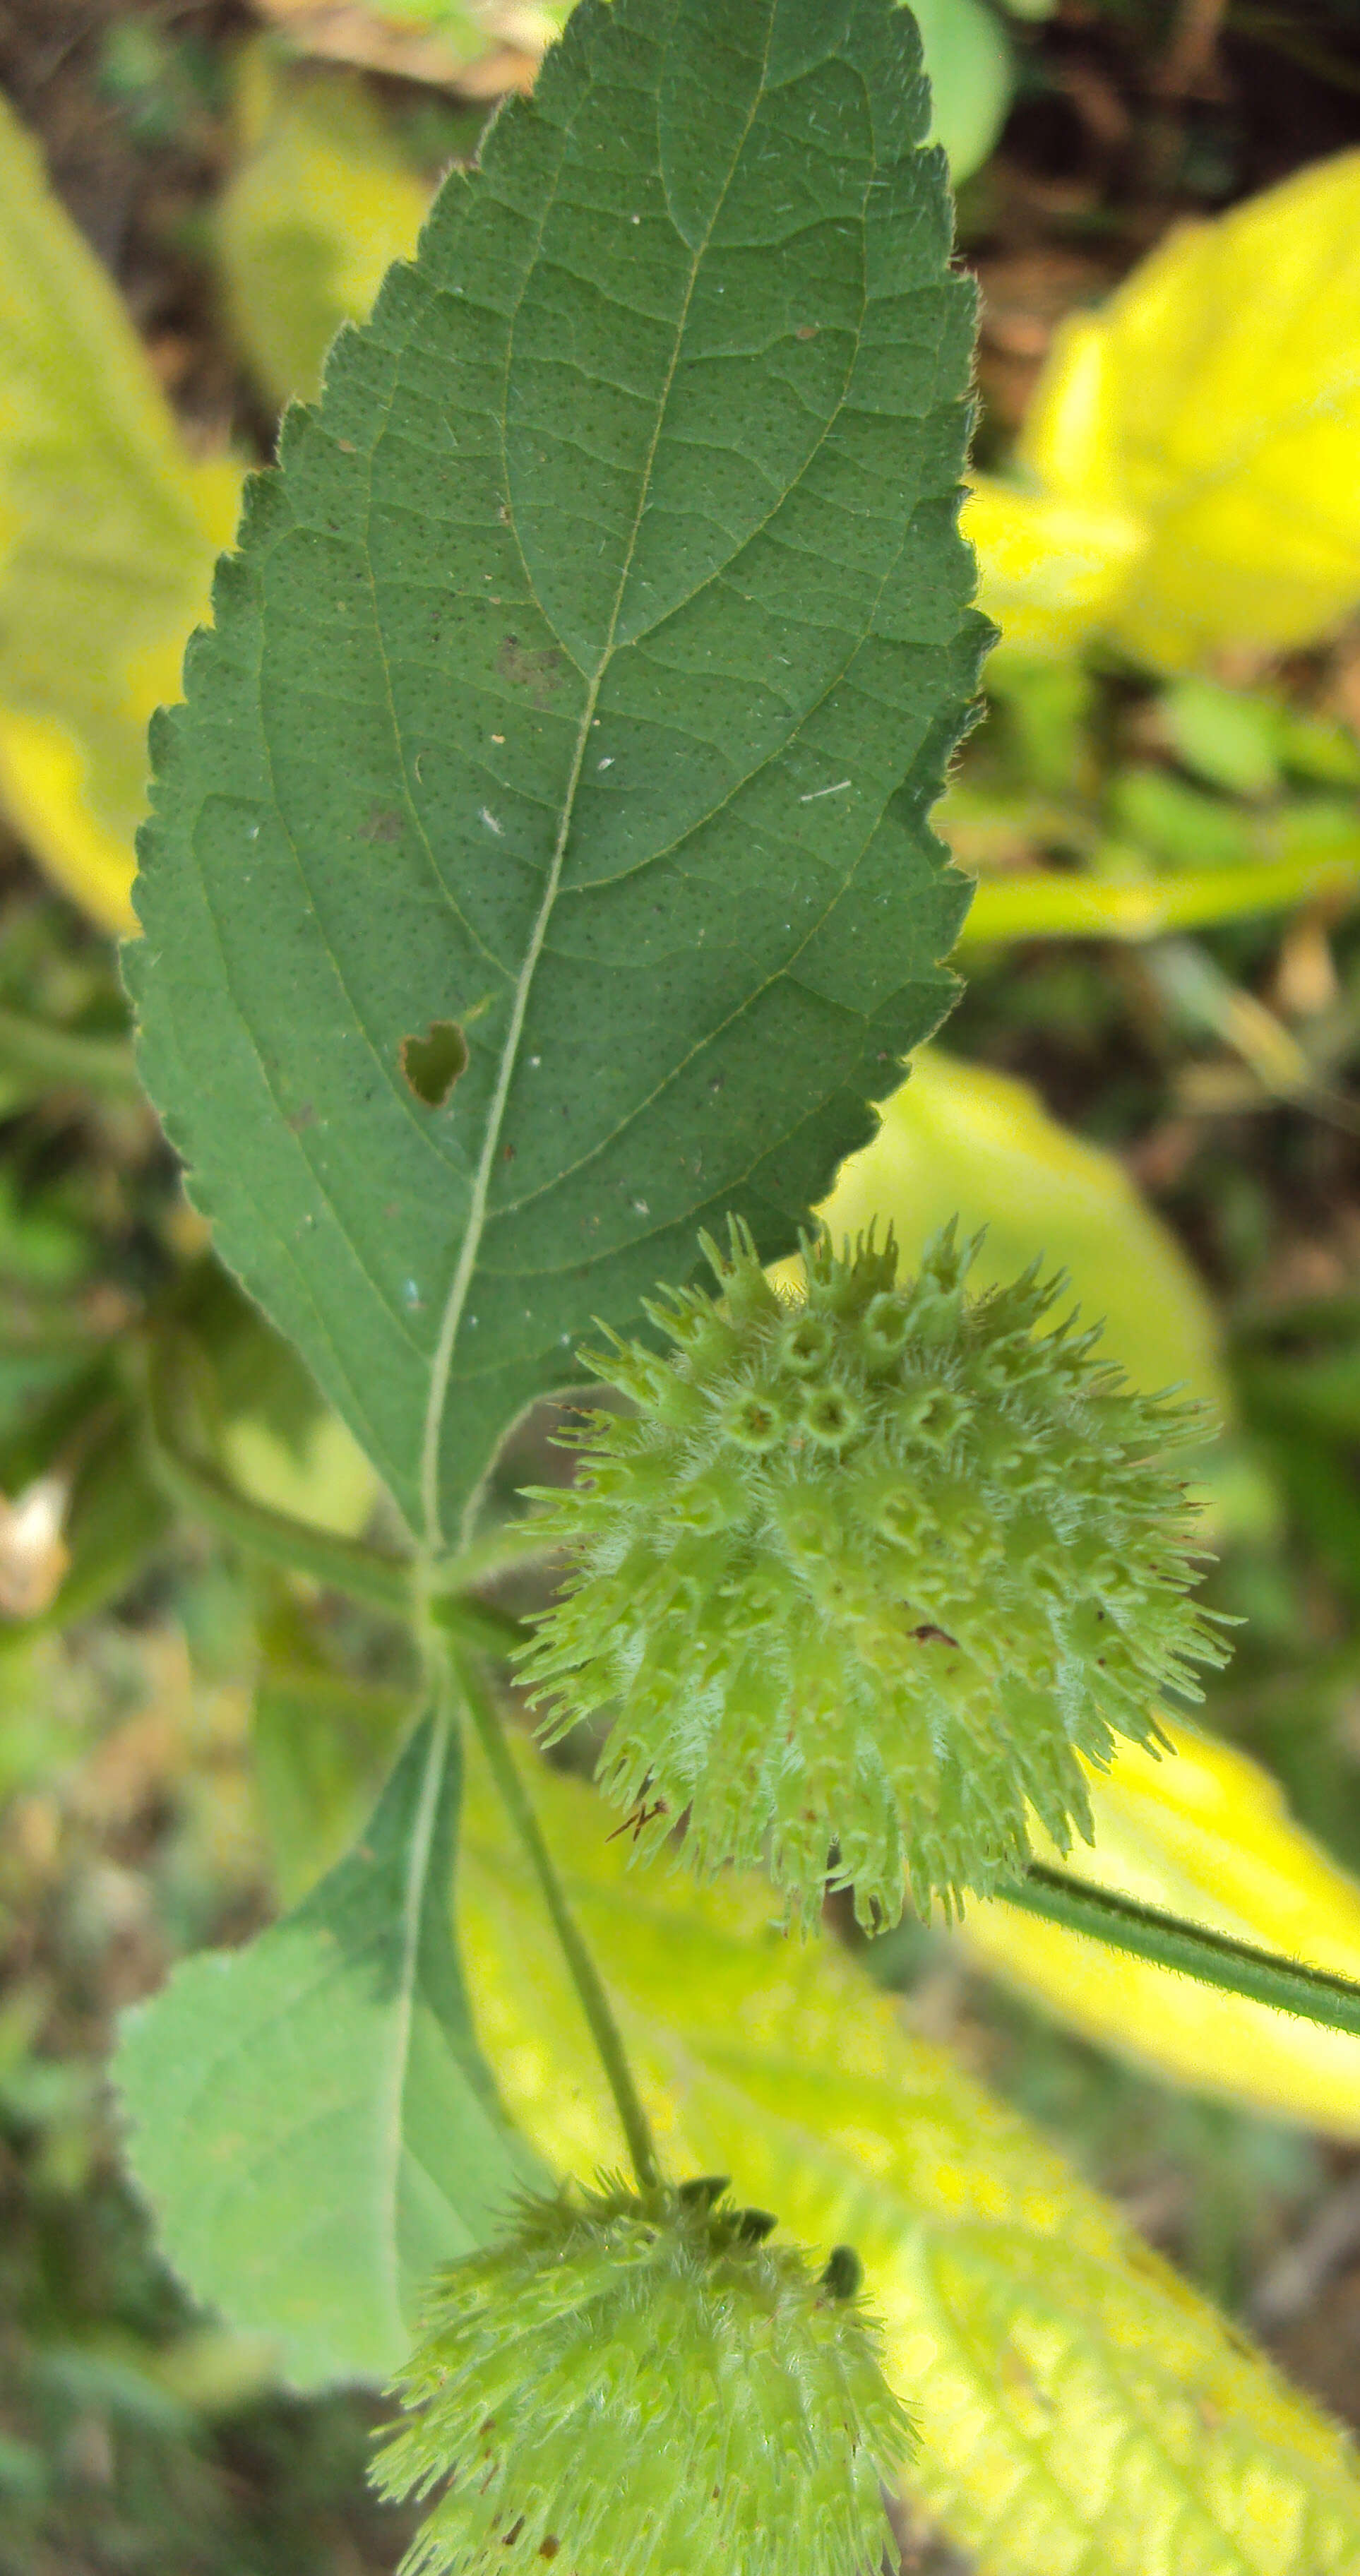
<point x="1234" y="1967"/>
<point x="54" y="1057"/>
<point x="585" y="1976"/>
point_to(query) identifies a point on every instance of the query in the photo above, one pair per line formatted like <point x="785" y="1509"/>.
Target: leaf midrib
<point x="469" y="1250"/>
<point x="392" y="2126"/>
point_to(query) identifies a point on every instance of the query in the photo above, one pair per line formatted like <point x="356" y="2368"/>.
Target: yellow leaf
<point x="1079" y="2409"/>
<point x="1209" y="419"/>
<point x="107" y="538"/>
<point x="960" y="1139"/>
<point x="319" y="206"/>
<point x="43" y="792"/>
<point x="1206" y="1835"/>
<point x="1049" y="567"/>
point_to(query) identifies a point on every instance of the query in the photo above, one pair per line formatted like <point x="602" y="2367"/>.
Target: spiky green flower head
<point x="644" y="2386"/>
<point x="863" y="1574"/>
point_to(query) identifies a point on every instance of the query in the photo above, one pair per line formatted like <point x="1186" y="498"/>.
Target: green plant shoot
<point x="540" y="872"/>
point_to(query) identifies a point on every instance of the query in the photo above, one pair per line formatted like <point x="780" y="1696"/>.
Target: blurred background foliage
<point x="1151" y="1081"/>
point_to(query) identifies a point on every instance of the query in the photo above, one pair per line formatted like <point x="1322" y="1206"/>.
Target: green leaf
<point x="319" y="1744"/>
<point x="580" y="689"/>
<point x="310" y="2117"/>
<point x="1078" y="2406"/>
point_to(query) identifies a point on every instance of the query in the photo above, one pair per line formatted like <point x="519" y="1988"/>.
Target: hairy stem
<point x="585" y="1976"/>
<point x="1235" y="1967"/>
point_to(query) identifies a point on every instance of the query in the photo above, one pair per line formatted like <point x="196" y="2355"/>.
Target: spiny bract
<point x="868" y="1571"/>
<point x="644" y="2386"/>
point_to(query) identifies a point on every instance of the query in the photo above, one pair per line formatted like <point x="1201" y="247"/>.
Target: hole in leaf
<point x="432" y="1064"/>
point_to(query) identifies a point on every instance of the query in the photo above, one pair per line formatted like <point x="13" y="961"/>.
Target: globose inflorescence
<point x="643" y="2384"/>
<point x="862" y="1574"/>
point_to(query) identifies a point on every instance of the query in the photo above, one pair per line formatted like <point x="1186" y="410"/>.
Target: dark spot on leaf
<point x="538" y="672"/>
<point x="549" y="2548"/>
<point x="381" y="825"/>
<point x="929" y="1636"/>
<point x="432" y="1064"/>
<point x="806" y="331"/>
<point x="302" y="1116"/>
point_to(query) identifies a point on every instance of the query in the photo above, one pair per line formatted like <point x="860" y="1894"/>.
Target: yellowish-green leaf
<point x="108" y="533"/>
<point x="971" y="77"/>
<point x="318" y="207"/>
<point x="1065" y="903"/>
<point x="1206" y="1836"/>
<point x="1050" y="567"/>
<point x="1080" y="2410"/>
<point x="322" y="1477"/>
<point x="1209" y="419"/>
<point x="959" y="1139"/>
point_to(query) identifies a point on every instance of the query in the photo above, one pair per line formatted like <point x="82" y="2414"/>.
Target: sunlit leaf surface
<point x="1078" y="2406"/>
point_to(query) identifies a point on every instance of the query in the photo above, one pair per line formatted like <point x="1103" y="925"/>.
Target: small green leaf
<point x="1230" y="737"/>
<point x="311" y="2120"/>
<point x="580" y="689"/>
<point x="971" y="78"/>
<point x="1079" y="2408"/>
